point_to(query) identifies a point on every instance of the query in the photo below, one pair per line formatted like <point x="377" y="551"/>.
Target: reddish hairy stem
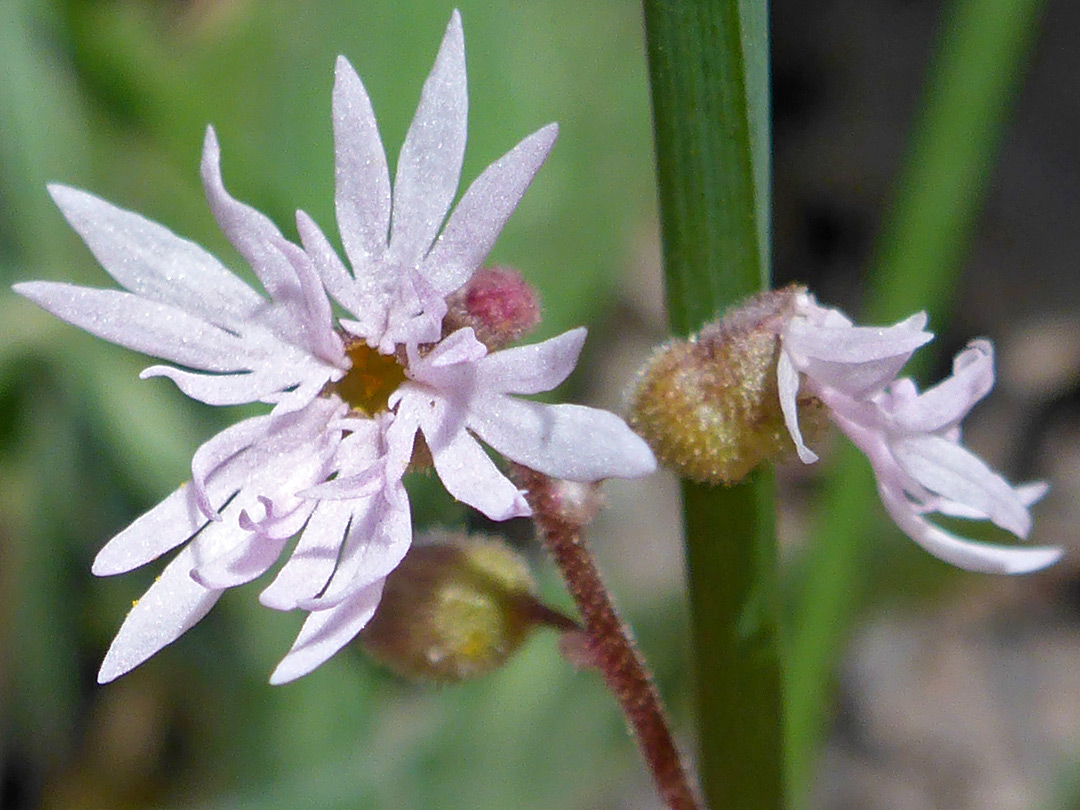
<point x="611" y="646"/>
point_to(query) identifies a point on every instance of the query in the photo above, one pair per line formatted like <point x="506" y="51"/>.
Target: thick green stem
<point x="708" y="65"/>
<point x="731" y="560"/>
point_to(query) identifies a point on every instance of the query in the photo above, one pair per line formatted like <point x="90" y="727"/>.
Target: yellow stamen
<point x="372" y="379"/>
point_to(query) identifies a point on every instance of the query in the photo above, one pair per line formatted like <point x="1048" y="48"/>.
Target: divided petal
<point x="312" y="563"/>
<point x="564" y="441"/>
<point x="250" y="231"/>
<point x="429" y="165"/>
<point x="787" y="379"/>
<point x="948" y="402"/>
<point x="150" y="327"/>
<point x="327" y="631"/>
<point x="958" y="475"/>
<point x="967" y="554"/>
<point x="171" y="606"/>
<point x="471" y="477"/>
<point x="534" y="368"/>
<point x="153" y="262"/>
<point x="162" y="529"/>
<point x="479" y="217"/>
<point x="361" y="177"/>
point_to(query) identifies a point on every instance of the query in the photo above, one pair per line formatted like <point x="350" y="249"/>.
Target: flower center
<point x="372" y="379"/>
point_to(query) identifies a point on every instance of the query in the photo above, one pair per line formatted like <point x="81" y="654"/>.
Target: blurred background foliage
<point x="114" y="96"/>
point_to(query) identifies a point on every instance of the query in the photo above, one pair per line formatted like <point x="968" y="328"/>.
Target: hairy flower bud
<point x="709" y="406"/>
<point x="498" y="304"/>
<point x="457" y="607"/>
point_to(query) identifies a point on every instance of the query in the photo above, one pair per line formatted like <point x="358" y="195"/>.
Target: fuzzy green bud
<point x="709" y="406"/>
<point x="457" y="607"/>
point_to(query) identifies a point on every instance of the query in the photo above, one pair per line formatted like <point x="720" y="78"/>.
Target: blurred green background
<point x="114" y="96"/>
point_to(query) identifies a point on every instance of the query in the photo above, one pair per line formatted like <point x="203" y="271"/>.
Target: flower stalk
<point x="610" y="645"/>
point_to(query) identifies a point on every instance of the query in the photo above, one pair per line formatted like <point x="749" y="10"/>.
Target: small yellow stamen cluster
<point x="372" y="379"/>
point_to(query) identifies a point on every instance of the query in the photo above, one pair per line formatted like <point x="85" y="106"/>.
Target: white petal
<point x="856" y="344"/>
<point x="161" y="529"/>
<point x="172" y="521"/>
<point x="415" y="313"/>
<point x="534" y="368"/>
<point x="288" y="399"/>
<point x="278" y="521"/>
<point x="173" y="604"/>
<point x="335" y="276"/>
<point x="429" y="165"/>
<point x="216" y="451"/>
<point x="949" y="401"/>
<point x="471" y="477"/>
<point x="853" y="379"/>
<point x="854" y="360"/>
<point x="363" y="446"/>
<point x="379" y="535"/>
<point x="459" y="347"/>
<point x="239" y="562"/>
<point x="807" y="306"/>
<point x="787" y="379"/>
<point x="312" y="319"/>
<point x="310" y="566"/>
<point x="361" y="485"/>
<point x="219" y="389"/>
<point x="361" y="178"/>
<point x="138" y="323"/>
<point x="482" y="212"/>
<point x="327" y="631"/>
<point x="563" y="441"/>
<point x="401" y="432"/>
<point x="250" y="231"/>
<point x="967" y="554"/>
<point x="1029" y="494"/>
<point x="950" y="470"/>
<point x="150" y="260"/>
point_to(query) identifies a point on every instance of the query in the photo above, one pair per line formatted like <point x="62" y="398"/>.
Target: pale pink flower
<point x="327" y="463"/>
<point x="912" y="440"/>
<point x="454" y="391"/>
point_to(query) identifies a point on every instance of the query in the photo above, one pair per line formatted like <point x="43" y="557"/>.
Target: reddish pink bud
<point x="498" y="304"/>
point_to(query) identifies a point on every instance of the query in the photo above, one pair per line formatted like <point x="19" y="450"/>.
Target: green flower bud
<point x="709" y="406"/>
<point x="456" y="607"/>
